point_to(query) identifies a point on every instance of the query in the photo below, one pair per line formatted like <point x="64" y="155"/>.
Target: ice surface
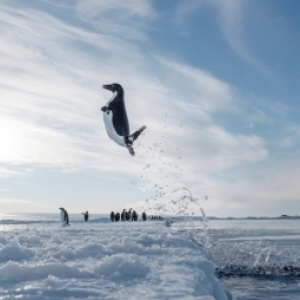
<point x="103" y="260"/>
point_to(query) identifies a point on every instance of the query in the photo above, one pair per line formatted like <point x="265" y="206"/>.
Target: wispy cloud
<point x="132" y="8"/>
<point x="53" y="69"/>
<point x="231" y="15"/>
<point x="52" y="93"/>
<point x="13" y="200"/>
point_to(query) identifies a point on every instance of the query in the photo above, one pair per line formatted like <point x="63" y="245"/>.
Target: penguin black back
<point x="117" y="106"/>
<point x="134" y="216"/>
<point x="112" y="216"/>
<point x="123" y="215"/>
<point x="144" y="216"/>
<point x="86" y="216"/>
<point x="117" y="217"/>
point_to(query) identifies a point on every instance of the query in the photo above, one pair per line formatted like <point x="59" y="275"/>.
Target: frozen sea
<point x="248" y="259"/>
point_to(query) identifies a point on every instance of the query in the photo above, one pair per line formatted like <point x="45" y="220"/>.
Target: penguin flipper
<point x="136" y="134"/>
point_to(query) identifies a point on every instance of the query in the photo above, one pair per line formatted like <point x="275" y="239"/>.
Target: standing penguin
<point x="115" y="118"/>
<point x="129" y="215"/>
<point x="86" y="216"/>
<point x="144" y="216"/>
<point x="134" y="216"/>
<point x="64" y="217"/>
<point x="117" y="217"/>
<point x="123" y="215"/>
<point x="112" y="216"/>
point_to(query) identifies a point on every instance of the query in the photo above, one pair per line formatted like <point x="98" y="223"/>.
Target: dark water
<point x="247" y="288"/>
<point x="264" y="255"/>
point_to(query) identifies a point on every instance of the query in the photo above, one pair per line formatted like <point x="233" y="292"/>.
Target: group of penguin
<point x="131" y="215"/>
<point x="117" y="127"/>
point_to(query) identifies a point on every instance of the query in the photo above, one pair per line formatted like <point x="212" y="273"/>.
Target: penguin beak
<point x="107" y="87"/>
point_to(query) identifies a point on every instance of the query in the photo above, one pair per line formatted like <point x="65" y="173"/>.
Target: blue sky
<point x="216" y="82"/>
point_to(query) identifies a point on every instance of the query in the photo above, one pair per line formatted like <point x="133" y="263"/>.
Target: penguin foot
<point x="130" y="149"/>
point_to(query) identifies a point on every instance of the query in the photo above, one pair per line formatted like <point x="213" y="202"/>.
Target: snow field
<point x="104" y="261"/>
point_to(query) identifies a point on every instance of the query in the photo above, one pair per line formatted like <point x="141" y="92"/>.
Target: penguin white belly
<point x="107" y="118"/>
<point x="62" y="217"/>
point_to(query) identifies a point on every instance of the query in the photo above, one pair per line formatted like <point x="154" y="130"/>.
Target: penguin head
<point x="115" y="87"/>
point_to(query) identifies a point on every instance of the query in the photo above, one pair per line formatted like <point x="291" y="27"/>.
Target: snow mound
<point x="13" y="251"/>
<point x="16" y="272"/>
<point x="123" y="267"/>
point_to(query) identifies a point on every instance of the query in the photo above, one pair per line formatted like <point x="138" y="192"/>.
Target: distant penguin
<point x="86" y="216"/>
<point x="117" y="217"/>
<point x="64" y="217"/>
<point x="129" y="215"/>
<point x="134" y="216"/>
<point x="112" y="216"/>
<point x="116" y="120"/>
<point x="123" y="215"/>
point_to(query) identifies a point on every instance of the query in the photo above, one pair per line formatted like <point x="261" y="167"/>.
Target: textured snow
<point x="104" y="260"/>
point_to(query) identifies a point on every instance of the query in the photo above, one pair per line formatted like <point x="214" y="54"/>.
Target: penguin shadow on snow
<point x="116" y="120"/>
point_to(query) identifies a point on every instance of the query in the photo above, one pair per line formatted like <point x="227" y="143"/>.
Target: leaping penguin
<point x="64" y="217"/>
<point x="115" y="119"/>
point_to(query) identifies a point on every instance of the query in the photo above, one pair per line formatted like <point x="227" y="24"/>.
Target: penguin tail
<point x="136" y="134"/>
<point x="131" y="138"/>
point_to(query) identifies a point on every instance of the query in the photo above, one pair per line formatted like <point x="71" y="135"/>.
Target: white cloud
<point x="292" y="139"/>
<point x="200" y="87"/>
<point x="130" y="8"/>
<point x="125" y="19"/>
<point x="286" y="143"/>
<point x="51" y="97"/>
<point x="185" y="8"/>
<point x="13" y="200"/>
